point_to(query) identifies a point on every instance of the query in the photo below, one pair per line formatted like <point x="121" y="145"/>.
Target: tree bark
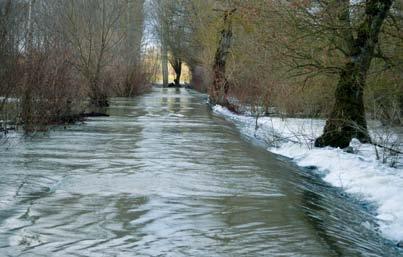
<point x="176" y="64"/>
<point x="347" y="119"/>
<point x="219" y="89"/>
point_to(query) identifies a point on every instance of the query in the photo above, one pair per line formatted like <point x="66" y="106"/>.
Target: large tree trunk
<point x="176" y="64"/>
<point x="347" y="120"/>
<point x="219" y="89"/>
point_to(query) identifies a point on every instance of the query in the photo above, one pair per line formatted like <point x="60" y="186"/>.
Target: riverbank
<point x="357" y="171"/>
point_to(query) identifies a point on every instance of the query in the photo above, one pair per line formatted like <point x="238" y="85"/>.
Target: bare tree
<point x="220" y="87"/>
<point x="347" y="120"/>
<point x="92" y="29"/>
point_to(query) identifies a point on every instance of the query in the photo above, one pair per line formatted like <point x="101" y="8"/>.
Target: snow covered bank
<point x="359" y="174"/>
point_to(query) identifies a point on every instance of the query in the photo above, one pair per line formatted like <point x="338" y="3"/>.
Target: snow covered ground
<point x="358" y="173"/>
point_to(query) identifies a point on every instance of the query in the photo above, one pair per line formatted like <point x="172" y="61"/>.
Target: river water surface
<point x="163" y="176"/>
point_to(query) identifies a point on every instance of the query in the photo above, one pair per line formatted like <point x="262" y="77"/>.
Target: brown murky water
<point x="163" y="176"/>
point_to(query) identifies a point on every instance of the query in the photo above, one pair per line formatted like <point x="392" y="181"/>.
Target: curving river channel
<point x="163" y="176"/>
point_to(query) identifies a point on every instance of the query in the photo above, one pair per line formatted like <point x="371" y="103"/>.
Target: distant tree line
<point x="338" y="59"/>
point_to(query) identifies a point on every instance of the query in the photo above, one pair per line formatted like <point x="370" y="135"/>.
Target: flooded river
<point x="164" y="176"/>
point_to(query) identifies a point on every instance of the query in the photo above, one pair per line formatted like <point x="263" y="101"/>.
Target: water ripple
<point x="162" y="176"/>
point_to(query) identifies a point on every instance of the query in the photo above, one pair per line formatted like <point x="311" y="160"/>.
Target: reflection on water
<point x="174" y="102"/>
<point x="162" y="176"/>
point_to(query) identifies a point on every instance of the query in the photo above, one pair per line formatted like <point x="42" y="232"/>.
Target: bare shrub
<point x="131" y="81"/>
<point x="49" y="91"/>
<point x="387" y="146"/>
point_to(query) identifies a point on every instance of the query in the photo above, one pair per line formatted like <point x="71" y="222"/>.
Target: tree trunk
<point x="164" y="63"/>
<point x="219" y="89"/>
<point x="176" y="64"/>
<point x="347" y="120"/>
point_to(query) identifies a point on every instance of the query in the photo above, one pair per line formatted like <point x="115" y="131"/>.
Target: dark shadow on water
<point x="315" y="213"/>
